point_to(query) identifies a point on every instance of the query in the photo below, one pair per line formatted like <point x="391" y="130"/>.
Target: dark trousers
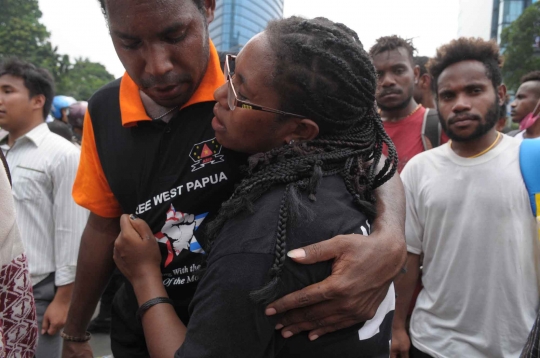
<point x="416" y="353"/>
<point x="107" y="296"/>
<point x="48" y="346"/>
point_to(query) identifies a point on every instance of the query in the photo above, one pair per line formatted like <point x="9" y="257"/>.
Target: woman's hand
<point x="136" y="251"/>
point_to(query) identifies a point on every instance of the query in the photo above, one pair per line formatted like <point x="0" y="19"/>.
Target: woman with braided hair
<point x="300" y="98"/>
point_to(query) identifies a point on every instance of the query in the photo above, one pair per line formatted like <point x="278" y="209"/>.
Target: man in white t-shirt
<point x="469" y="214"/>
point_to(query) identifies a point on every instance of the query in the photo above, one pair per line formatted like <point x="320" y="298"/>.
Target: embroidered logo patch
<point x="205" y="153"/>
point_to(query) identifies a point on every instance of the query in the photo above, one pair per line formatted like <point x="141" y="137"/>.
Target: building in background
<point x="487" y="18"/>
<point x="507" y="11"/>
<point x="237" y="21"/>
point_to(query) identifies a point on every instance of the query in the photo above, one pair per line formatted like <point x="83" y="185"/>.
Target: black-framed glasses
<point x="232" y="98"/>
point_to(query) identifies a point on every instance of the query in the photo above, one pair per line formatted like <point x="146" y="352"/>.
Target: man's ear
<point x="425" y="81"/>
<point x="210" y="7"/>
<point x="416" y="71"/>
<point x="305" y="129"/>
<point x="38" y="101"/>
<point x="501" y="93"/>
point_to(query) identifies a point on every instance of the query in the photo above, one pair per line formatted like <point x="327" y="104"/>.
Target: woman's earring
<point x="291" y="142"/>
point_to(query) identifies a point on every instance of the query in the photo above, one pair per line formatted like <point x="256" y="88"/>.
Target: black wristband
<point x="154" y="301"/>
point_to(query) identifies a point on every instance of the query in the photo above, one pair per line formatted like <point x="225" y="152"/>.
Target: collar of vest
<point x="132" y="108"/>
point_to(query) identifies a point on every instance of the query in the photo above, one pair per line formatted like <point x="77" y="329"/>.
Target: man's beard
<point x="491" y="118"/>
<point x="398" y="107"/>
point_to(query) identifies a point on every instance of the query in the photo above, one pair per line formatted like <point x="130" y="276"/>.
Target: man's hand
<point x="56" y="314"/>
<point x="77" y="350"/>
<point x="400" y="343"/>
<point x="363" y="268"/>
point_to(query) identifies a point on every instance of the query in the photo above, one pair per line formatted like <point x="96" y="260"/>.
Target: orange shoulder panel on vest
<point x="91" y="189"/>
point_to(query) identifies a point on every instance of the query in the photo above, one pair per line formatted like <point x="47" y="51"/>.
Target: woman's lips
<point x="216" y="123"/>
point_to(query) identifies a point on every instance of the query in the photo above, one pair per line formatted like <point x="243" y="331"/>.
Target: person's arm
<point x="95" y="261"/>
<point x="405" y="285"/>
<point x="224" y="322"/>
<point x="137" y="256"/>
<point x="69" y="221"/>
<point x="364" y="267"/>
<point x="95" y="265"/>
<point x="55" y="315"/>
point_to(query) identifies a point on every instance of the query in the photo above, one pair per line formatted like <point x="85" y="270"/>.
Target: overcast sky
<point x="78" y="28"/>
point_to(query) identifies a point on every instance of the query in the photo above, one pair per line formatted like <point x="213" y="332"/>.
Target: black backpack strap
<point x="513" y="133"/>
<point x="6" y="167"/>
<point x="431" y="129"/>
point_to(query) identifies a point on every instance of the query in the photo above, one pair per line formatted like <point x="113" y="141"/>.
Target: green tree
<point x="517" y="41"/>
<point x="23" y="36"/>
<point x="83" y="78"/>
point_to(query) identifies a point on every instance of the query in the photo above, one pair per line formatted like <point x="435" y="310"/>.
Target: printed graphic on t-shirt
<point x="205" y="153"/>
<point x="178" y="233"/>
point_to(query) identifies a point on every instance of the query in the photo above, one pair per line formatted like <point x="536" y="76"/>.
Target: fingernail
<point x="279" y="326"/>
<point x="313" y="337"/>
<point x="42" y="332"/>
<point x="297" y="254"/>
<point x="270" y="311"/>
<point x="133" y="217"/>
<point x="287" y="334"/>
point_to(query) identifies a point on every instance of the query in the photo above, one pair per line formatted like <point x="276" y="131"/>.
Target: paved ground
<point x="101" y="345"/>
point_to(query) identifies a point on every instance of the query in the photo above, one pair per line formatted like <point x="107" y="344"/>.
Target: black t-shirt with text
<point x="174" y="176"/>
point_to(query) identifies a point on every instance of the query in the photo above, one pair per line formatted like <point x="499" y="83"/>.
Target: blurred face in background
<point x="17" y="108"/>
<point x="397" y="76"/>
<point x="527" y="97"/>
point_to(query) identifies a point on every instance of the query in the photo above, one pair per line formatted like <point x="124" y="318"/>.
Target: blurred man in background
<point x="526" y="101"/>
<point x="407" y="122"/>
<point x="423" y="92"/>
<point x="43" y="168"/>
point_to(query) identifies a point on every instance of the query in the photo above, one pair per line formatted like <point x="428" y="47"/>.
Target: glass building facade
<point x="237" y="21"/>
<point x="504" y="13"/>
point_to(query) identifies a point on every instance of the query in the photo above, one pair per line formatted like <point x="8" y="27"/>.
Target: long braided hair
<point x="323" y="72"/>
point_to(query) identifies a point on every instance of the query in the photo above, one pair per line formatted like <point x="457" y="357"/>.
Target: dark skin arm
<point x="137" y="256"/>
<point x="363" y="268"/>
<point x="405" y="285"/>
<point x="94" y="267"/>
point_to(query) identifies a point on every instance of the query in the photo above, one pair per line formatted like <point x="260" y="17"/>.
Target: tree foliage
<point x="23" y="36"/>
<point x="520" y="57"/>
<point x="83" y="78"/>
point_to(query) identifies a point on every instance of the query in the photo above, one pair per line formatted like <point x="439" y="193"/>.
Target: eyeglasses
<point x="232" y="98"/>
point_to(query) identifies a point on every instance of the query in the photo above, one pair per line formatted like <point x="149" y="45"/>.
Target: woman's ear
<point x="305" y="129"/>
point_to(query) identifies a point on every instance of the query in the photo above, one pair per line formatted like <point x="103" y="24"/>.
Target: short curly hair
<point x="199" y="3"/>
<point x="389" y="43"/>
<point x="464" y="49"/>
<point x="531" y="76"/>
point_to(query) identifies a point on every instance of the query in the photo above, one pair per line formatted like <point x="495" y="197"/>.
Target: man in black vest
<point x="149" y="148"/>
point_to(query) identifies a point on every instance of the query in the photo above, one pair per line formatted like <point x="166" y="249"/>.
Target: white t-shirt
<point x="472" y="220"/>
